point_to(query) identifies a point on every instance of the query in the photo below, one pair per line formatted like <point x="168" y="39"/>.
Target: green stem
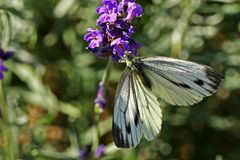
<point x="106" y="74"/>
<point x="7" y="29"/>
<point x="103" y="82"/>
<point x="7" y="128"/>
<point x="180" y="31"/>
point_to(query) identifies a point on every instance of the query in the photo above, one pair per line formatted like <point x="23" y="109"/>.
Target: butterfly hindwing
<point x="149" y="107"/>
<point x="136" y="111"/>
<point x="126" y="119"/>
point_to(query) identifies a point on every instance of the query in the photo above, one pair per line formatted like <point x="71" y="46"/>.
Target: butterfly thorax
<point x="135" y="65"/>
<point x="131" y="61"/>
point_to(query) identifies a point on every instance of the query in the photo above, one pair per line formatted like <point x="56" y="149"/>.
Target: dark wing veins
<point x="138" y="69"/>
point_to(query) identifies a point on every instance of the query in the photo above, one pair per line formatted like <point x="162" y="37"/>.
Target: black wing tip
<point x="215" y="77"/>
<point x="118" y="138"/>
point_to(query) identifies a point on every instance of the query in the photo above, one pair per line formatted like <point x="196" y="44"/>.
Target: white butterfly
<point x="137" y="110"/>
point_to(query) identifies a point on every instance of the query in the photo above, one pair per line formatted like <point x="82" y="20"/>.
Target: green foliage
<point x="53" y="79"/>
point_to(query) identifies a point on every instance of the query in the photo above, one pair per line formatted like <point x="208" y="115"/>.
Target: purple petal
<point x="113" y="15"/>
<point x="1" y="53"/>
<point x="100" y="151"/>
<point x="83" y="154"/>
<point x="120" y="46"/>
<point x="110" y="3"/>
<point x="102" y="10"/>
<point x="131" y="30"/>
<point x="134" y="10"/>
<point x="94" y="37"/>
<point x="125" y="2"/>
<point x="8" y="55"/>
<point x="3" y="68"/>
<point x="88" y="36"/>
<point x="1" y="75"/>
<point x="108" y="11"/>
<point x="123" y="45"/>
<point x="100" y="100"/>
<point x="104" y="18"/>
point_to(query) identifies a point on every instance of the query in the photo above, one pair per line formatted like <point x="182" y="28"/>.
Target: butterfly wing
<point x="136" y="111"/>
<point x="180" y="82"/>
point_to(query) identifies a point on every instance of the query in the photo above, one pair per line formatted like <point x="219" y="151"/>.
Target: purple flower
<point x="4" y="56"/>
<point x="83" y="154"/>
<point x="100" y="151"/>
<point x="100" y="101"/>
<point x="120" y="46"/>
<point x="113" y="37"/>
<point x="108" y="12"/>
<point x="94" y="37"/>
<point x="134" y="10"/>
<point x="123" y="45"/>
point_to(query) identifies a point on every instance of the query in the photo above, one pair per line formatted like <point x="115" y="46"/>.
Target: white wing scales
<point x="180" y="82"/>
<point x="149" y="107"/>
<point x="126" y="119"/>
<point x="137" y="111"/>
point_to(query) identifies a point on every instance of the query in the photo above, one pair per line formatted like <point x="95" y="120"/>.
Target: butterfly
<point x="137" y="111"/>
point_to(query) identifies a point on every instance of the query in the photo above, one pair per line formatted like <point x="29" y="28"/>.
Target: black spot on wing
<point x="199" y="82"/>
<point x="118" y="137"/>
<point x="128" y="128"/>
<point x="136" y="119"/>
<point x="176" y="83"/>
<point x="182" y="85"/>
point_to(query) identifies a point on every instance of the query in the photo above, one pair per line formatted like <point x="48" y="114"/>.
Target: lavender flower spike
<point x="100" y="101"/>
<point x="100" y="151"/>
<point x="83" y="154"/>
<point x="114" y="36"/>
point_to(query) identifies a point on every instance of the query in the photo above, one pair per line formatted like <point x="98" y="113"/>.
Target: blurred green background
<point x="53" y="79"/>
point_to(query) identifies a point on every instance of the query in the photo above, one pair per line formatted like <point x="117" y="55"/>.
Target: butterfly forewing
<point x="180" y="82"/>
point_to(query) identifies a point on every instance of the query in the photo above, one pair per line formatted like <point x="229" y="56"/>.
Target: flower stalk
<point x="7" y="117"/>
<point x="100" y="106"/>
